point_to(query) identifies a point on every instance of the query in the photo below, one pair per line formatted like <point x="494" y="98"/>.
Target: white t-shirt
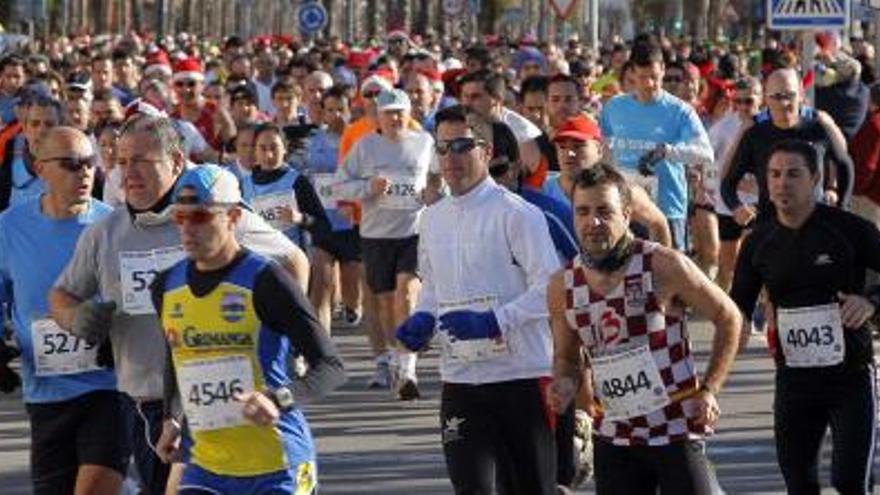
<point x="522" y="128"/>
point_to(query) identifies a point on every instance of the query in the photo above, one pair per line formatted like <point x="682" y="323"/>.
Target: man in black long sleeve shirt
<point x="786" y="121"/>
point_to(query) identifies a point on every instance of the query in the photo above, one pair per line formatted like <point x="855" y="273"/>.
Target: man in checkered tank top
<point x="621" y="346"/>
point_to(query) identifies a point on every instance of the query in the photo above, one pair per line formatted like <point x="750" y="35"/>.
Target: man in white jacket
<point x="484" y="257"/>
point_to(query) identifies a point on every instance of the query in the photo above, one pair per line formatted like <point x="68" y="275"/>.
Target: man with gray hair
<point x="104" y="290"/>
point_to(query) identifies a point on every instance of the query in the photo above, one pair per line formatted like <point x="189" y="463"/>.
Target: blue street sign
<point x="807" y="14"/>
<point x="312" y="17"/>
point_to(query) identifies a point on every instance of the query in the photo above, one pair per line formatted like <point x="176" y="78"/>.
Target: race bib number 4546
<point x="208" y="388"/>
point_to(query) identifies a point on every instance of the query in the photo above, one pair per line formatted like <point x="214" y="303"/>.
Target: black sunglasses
<point x="458" y="145"/>
<point x="188" y="84"/>
<point x="74" y="164"/>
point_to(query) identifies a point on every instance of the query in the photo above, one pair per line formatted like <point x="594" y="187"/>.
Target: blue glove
<point x="417" y="330"/>
<point x="470" y="325"/>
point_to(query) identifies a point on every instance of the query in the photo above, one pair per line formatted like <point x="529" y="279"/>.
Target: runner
<point x="787" y="120"/>
<point x="78" y="441"/>
<point x="483" y="286"/>
<point x="243" y="430"/>
<point x="578" y="144"/>
<point x="623" y="301"/>
<point x="117" y="258"/>
<point x="280" y="193"/>
<point x="388" y="171"/>
<point x="654" y="135"/>
<point x="825" y="373"/>
<point x="342" y="245"/>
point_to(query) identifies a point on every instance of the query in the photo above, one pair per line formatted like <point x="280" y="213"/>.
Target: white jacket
<point x="490" y="245"/>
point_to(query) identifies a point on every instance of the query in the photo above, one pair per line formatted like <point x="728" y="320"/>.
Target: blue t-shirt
<point x="559" y="220"/>
<point x="34" y="249"/>
<point x="553" y="189"/>
<point x="322" y="157"/>
<point x="632" y="128"/>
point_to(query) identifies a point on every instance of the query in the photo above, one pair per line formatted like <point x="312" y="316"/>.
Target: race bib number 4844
<point x="629" y="383"/>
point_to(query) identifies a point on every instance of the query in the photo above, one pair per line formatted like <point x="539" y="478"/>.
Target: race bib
<point x="137" y="269"/>
<point x="811" y="337"/>
<point x="468" y="351"/>
<point x="327" y="187"/>
<point x="208" y="388"/>
<point x="269" y="207"/>
<point x="57" y="352"/>
<point x="629" y="383"/>
<point x="402" y="193"/>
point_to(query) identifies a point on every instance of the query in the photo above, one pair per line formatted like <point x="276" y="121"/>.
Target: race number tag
<point x="811" y="337"/>
<point x="57" y="352"/>
<point x="269" y="207"/>
<point x="468" y="351"/>
<point x="629" y="383"/>
<point x="327" y="187"/>
<point x="137" y="269"/>
<point x="402" y="193"/>
<point x="208" y="388"/>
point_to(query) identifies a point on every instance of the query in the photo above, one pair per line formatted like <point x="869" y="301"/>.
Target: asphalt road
<point x="372" y="444"/>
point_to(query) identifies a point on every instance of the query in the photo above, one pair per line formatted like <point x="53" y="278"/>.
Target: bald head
<point x="62" y="141"/>
<point x="783" y="78"/>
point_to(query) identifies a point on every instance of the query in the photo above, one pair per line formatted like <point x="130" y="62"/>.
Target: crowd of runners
<point x="184" y="220"/>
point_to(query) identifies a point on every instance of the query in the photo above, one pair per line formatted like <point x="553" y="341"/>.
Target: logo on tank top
<point x="232" y="306"/>
<point x="610" y="327"/>
<point x="634" y="291"/>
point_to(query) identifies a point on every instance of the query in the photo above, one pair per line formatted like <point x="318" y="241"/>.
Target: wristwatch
<point x="283" y="398"/>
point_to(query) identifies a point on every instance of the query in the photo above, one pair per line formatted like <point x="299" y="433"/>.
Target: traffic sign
<point x="453" y="7"/>
<point x="312" y="17"/>
<point x="563" y="8"/>
<point x="807" y="14"/>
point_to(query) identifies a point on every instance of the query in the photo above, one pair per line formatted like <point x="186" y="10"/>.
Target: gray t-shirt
<point x="394" y="215"/>
<point x="116" y="260"/>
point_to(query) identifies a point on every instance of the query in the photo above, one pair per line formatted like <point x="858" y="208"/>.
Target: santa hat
<point x="189" y="68"/>
<point x="435" y="78"/>
<point x="376" y="80"/>
<point x="140" y="107"/>
<point x="158" y="63"/>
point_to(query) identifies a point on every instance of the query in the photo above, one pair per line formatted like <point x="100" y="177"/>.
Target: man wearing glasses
<point x="747" y="101"/>
<point x="213" y="121"/>
<point x="787" y="119"/>
<point x="230" y="318"/>
<point x="484" y="282"/>
<point x="103" y="292"/>
<point x="78" y="437"/>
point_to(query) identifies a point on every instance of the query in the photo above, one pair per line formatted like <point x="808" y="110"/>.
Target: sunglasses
<point x="784" y="96"/>
<point x="75" y="164"/>
<point x="186" y="84"/>
<point x="198" y="216"/>
<point x="672" y="79"/>
<point x="744" y="101"/>
<point x="458" y="146"/>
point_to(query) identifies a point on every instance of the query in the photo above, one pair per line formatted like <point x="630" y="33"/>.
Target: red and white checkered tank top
<point x="628" y="317"/>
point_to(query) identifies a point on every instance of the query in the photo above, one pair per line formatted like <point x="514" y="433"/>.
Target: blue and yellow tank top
<point x="220" y="348"/>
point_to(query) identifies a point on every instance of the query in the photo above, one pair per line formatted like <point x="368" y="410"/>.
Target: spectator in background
<point x="865" y="150"/>
<point x="841" y="93"/>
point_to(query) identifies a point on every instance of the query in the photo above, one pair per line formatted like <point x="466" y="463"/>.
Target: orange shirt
<point x="8" y="133"/>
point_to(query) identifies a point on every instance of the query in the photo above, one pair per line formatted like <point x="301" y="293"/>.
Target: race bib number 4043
<point x="811" y="337"/>
<point x="57" y="352"/>
<point x="629" y="383"/>
<point x="208" y="388"/>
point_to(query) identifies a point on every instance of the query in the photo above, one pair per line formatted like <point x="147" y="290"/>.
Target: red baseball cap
<point x="581" y="128"/>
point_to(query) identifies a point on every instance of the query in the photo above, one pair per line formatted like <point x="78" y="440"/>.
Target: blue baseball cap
<point x="212" y="184"/>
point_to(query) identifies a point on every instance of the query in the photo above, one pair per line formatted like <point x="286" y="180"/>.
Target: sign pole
<point x="876" y="12"/>
<point x="808" y="57"/>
